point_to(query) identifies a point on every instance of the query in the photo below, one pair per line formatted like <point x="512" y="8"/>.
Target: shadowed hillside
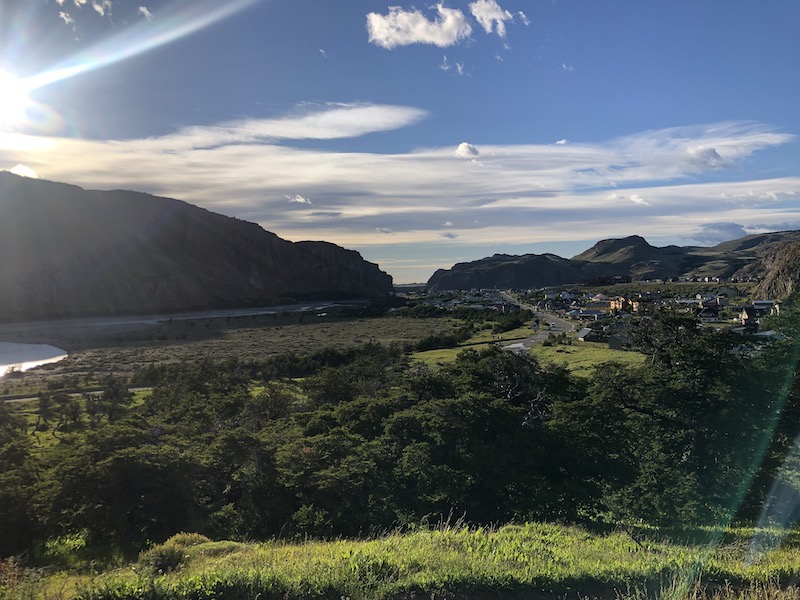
<point x="69" y="251"/>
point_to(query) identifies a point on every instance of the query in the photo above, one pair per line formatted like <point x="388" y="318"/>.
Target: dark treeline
<point x="350" y="442"/>
<point x="501" y="321"/>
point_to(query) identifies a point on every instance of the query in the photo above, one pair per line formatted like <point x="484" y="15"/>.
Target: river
<point x="21" y="357"/>
<point x="24" y="356"/>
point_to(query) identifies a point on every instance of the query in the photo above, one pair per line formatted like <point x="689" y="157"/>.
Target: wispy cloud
<point x="491" y="16"/>
<point x="450" y="235"/>
<point x="566" y="67"/>
<point x="405" y="27"/>
<point x="102" y="8"/>
<point x="659" y="183"/>
<point x="524" y="18"/>
<point x="328" y="123"/>
<point x="145" y="12"/>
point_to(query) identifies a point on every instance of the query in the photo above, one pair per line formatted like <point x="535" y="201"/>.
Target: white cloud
<point x="447" y="224"/>
<point x="102" y="7"/>
<point x="562" y="141"/>
<point x="80" y="3"/>
<point x="298" y="199"/>
<point x="445" y="66"/>
<point x="491" y="16"/>
<point x="704" y="157"/>
<point x="566" y="67"/>
<point x="716" y="233"/>
<point x="324" y="54"/>
<point x="524" y="18"/>
<point x="460" y="68"/>
<point x="451" y="235"/>
<point x="635" y="198"/>
<point x="466" y="150"/>
<point x="65" y="16"/>
<point x="25" y="171"/>
<point x="145" y="12"/>
<point x="405" y="27"/>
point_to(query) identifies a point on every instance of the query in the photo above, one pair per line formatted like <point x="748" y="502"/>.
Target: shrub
<point x="170" y="555"/>
<point x="162" y="558"/>
<point x="184" y="540"/>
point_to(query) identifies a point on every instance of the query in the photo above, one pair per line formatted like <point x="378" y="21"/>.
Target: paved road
<point x="550" y="323"/>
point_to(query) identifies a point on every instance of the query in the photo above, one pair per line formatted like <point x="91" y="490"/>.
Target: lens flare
<point x="179" y="20"/>
<point x="14" y="100"/>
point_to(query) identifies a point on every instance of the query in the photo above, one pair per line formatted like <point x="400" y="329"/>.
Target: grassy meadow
<point x="581" y="358"/>
<point x="518" y="561"/>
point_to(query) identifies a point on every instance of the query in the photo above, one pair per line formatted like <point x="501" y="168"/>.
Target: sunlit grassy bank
<point x="581" y="358"/>
<point x="532" y="560"/>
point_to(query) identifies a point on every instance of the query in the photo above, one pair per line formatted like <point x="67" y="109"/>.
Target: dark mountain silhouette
<point x="67" y="251"/>
<point x="771" y="257"/>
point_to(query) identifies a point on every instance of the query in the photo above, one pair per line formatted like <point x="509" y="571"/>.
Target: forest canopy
<point x="353" y="442"/>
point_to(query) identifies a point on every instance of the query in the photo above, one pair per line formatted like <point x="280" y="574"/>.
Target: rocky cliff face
<point x="751" y="256"/>
<point x="781" y="272"/>
<point x="68" y="252"/>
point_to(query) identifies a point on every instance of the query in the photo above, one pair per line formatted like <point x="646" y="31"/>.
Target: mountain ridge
<point x="75" y="252"/>
<point x="761" y="256"/>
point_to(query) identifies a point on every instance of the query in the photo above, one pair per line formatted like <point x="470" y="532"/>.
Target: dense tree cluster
<point x="348" y="442"/>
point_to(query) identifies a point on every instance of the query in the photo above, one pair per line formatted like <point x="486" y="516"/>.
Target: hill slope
<point x="752" y="256"/>
<point x="68" y="252"/>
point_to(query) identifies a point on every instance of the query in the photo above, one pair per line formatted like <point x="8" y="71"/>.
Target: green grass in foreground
<point x="527" y="561"/>
<point x="581" y="358"/>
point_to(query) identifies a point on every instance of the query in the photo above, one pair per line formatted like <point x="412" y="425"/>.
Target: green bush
<point x="184" y="540"/>
<point x="170" y="555"/>
<point x="163" y="558"/>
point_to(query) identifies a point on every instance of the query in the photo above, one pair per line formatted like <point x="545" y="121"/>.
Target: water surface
<point x="21" y="357"/>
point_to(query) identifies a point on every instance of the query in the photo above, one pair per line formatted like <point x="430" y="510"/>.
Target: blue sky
<point x="419" y="134"/>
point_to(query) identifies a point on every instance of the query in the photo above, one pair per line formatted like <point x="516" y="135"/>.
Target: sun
<point x="14" y="100"/>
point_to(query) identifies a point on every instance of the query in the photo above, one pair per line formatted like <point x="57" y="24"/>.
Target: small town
<point x="605" y="317"/>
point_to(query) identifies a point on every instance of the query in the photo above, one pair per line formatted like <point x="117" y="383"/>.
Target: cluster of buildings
<point x="724" y="305"/>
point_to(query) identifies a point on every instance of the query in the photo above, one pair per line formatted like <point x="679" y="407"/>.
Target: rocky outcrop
<point x="506" y="271"/>
<point x="781" y="272"/>
<point x="631" y="257"/>
<point x="69" y="252"/>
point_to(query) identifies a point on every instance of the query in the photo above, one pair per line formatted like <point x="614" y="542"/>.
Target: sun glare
<point x="14" y="101"/>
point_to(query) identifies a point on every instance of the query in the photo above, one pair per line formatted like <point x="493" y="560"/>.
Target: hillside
<point x="754" y="256"/>
<point x="71" y="252"/>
